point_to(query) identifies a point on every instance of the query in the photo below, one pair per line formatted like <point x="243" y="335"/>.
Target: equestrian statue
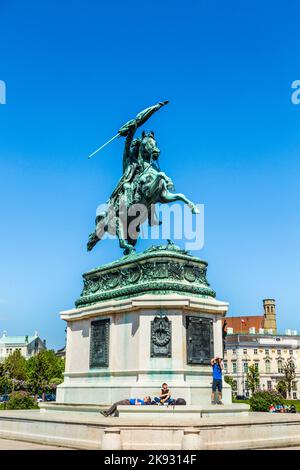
<point x="141" y="186"/>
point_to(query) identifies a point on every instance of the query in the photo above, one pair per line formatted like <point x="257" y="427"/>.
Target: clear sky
<point x="75" y="71"/>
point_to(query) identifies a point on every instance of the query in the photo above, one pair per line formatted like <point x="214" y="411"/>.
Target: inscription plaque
<point x="199" y="337"/>
<point x="99" y="346"/>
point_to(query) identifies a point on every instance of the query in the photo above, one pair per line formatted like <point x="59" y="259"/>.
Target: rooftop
<point x="24" y="339"/>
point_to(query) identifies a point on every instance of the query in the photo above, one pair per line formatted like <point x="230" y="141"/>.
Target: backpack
<point x="180" y="401"/>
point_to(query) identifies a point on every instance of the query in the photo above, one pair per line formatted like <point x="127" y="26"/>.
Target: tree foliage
<point x="230" y="381"/>
<point x="15" y="366"/>
<point x="5" y="380"/>
<point x="289" y="371"/>
<point x="38" y="374"/>
<point x="42" y="369"/>
<point x="253" y="378"/>
<point x="21" y="401"/>
<point x="282" y="388"/>
<point x="261" y="401"/>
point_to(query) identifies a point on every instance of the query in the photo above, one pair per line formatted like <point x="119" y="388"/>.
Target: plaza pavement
<point x="7" y="444"/>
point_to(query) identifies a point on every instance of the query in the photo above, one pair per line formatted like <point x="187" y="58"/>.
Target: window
<point x="255" y="351"/>
<point x="269" y="385"/>
<point x="267" y="352"/>
<point x="268" y="366"/>
<point x="295" y="395"/>
<point x="234" y="367"/>
<point x="245" y="367"/>
<point x="234" y="385"/>
<point x="291" y="352"/>
<point x="244" y="351"/>
<point x="256" y="365"/>
<point x="225" y="366"/>
<point x="294" y="386"/>
<point x="279" y="352"/>
<point x="280" y="367"/>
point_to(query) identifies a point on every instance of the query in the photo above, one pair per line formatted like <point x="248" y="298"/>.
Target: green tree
<point x="15" y="366"/>
<point x="281" y="388"/>
<point x="42" y="369"/>
<point x="230" y="381"/>
<point x="289" y="371"/>
<point x="253" y="378"/>
<point x="5" y="380"/>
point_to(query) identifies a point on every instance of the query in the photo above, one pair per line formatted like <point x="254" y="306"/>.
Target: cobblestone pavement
<point x="7" y="444"/>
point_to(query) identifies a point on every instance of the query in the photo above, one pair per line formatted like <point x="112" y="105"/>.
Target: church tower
<point x="269" y="315"/>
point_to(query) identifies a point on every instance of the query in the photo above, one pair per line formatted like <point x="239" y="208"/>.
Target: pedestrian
<point x="217" y="367"/>
<point x="272" y="408"/>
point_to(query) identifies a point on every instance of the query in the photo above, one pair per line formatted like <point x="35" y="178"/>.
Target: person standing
<point x="217" y="368"/>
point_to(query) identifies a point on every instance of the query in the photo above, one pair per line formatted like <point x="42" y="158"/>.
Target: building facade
<point x="27" y="345"/>
<point x="254" y="340"/>
<point x="268" y="353"/>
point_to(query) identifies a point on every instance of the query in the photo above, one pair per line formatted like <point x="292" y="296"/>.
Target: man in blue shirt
<point x="130" y="401"/>
<point x="137" y="401"/>
<point x="217" y="367"/>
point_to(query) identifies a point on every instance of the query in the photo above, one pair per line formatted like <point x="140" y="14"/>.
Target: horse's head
<point x="148" y="147"/>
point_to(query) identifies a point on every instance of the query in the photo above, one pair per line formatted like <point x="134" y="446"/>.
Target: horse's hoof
<point x="93" y="240"/>
<point x="129" y="251"/>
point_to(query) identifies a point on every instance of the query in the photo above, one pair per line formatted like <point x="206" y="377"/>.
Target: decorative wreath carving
<point x="161" y="332"/>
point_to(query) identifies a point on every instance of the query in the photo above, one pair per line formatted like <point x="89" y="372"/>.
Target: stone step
<point x="152" y="411"/>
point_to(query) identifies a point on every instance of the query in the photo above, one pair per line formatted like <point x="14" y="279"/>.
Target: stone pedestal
<point x="141" y="321"/>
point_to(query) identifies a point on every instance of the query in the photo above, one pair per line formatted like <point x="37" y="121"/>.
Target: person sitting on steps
<point x="165" y="396"/>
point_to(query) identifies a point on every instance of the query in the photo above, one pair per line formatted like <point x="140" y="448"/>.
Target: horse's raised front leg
<point x="166" y="197"/>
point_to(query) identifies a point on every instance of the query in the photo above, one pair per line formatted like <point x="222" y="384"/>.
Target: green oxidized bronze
<point x="158" y="270"/>
<point x="142" y="185"/>
<point x="161" y="337"/>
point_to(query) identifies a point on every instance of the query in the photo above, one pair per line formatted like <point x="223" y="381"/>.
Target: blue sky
<point x="230" y="139"/>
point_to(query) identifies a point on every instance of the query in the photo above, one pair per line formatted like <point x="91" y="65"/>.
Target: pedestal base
<point x="141" y="321"/>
